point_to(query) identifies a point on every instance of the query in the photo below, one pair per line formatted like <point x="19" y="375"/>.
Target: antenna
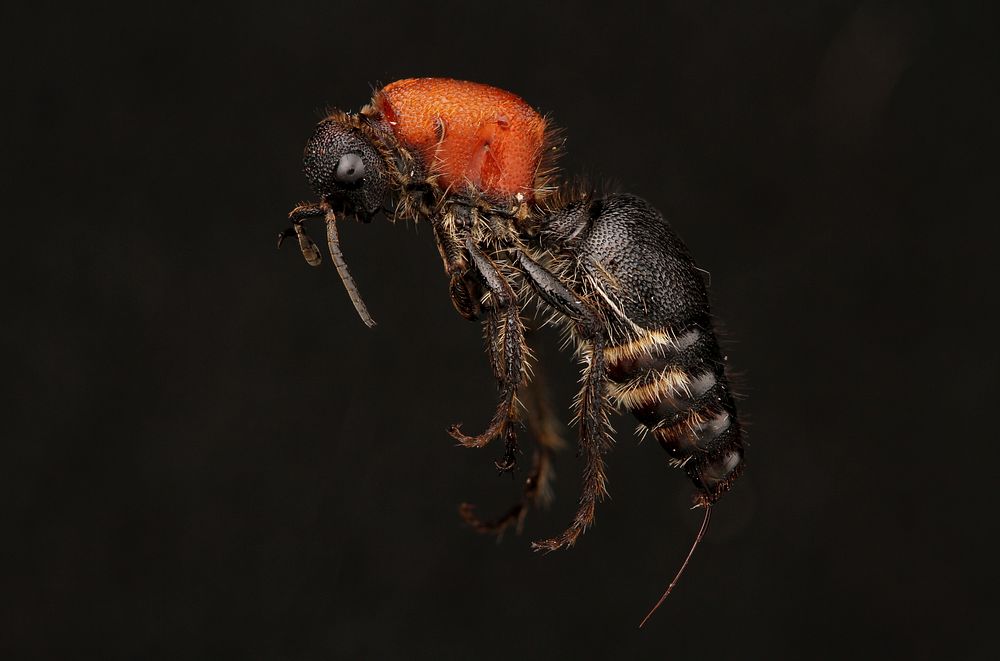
<point x="333" y="243"/>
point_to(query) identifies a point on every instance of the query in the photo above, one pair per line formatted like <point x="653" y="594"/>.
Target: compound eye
<point x="350" y="169"/>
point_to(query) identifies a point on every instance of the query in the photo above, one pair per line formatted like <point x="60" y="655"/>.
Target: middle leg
<point x="505" y="339"/>
<point x="544" y="427"/>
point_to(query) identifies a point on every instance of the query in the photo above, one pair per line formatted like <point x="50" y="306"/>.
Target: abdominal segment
<point x="675" y="385"/>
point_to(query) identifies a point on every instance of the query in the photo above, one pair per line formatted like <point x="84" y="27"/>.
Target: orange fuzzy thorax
<point x="467" y="133"/>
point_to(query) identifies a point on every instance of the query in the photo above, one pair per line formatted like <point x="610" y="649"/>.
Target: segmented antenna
<point x="333" y="243"/>
<point x="697" y="540"/>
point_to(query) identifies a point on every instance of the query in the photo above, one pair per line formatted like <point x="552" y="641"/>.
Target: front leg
<point x="463" y="287"/>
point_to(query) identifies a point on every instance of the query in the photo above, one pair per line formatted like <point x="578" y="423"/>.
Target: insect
<point x="477" y="163"/>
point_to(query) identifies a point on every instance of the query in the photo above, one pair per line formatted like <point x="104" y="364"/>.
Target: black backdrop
<point x="208" y="456"/>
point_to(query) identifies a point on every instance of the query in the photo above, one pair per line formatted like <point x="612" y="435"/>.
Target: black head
<point x="345" y="169"/>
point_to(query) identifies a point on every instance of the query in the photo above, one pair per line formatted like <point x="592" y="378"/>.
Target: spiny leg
<point x="591" y="406"/>
<point x="498" y="326"/>
<point x="505" y="336"/>
<point x="465" y="291"/>
<point x="594" y="443"/>
<point x="545" y="428"/>
<point x="465" y="295"/>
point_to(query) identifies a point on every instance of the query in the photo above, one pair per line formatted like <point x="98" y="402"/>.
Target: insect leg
<point x="544" y="426"/>
<point x="591" y="405"/>
<point x="505" y="334"/>
<point x="465" y="291"/>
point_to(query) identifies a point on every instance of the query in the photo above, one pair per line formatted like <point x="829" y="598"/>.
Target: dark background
<point x="207" y="455"/>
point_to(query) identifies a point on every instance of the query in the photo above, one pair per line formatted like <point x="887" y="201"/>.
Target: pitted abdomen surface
<point x="664" y="363"/>
<point x="636" y="246"/>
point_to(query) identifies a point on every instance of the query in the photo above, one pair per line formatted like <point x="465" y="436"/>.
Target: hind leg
<point x="591" y="404"/>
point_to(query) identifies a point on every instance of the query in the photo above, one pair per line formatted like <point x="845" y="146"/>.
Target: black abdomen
<point x="663" y="360"/>
<point x="676" y="387"/>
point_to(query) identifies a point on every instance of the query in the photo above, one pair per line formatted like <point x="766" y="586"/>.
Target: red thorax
<point x="468" y="134"/>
